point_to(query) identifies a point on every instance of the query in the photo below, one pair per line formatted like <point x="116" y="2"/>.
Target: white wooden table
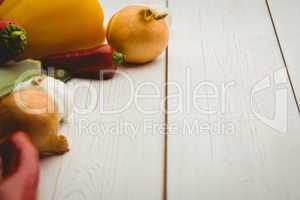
<point x="233" y="124"/>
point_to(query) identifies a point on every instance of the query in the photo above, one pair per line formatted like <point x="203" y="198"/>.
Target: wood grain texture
<point x="113" y="155"/>
<point x="226" y="148"/>
<point x="51" y="167"/>
<point x="286" y="17"/>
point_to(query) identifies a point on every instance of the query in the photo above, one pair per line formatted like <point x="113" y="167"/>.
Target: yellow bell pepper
<point x="57" y="26"/>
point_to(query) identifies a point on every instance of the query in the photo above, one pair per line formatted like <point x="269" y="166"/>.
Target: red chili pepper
<point x="95" y="63"/>
<point x="20" y="161"/>
<point x="13" y="40"/>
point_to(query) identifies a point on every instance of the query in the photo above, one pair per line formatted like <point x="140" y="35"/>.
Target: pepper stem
<point x="13" y="41"/>
<point x="151" y="14"/>
<point x="16" y="34"/>
<point x="118" y="58"/>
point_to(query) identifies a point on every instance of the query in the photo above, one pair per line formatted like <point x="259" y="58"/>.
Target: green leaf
<point x="14" y="73"/>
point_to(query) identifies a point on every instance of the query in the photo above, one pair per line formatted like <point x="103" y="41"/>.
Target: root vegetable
<point x="32" y="111"/>
<point x="138" y="32"/>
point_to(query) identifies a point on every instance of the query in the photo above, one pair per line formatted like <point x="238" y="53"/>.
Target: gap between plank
<point x="165" y="162"/>
<point x="282" y="54"/>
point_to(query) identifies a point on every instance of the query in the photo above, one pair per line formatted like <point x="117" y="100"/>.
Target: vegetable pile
<point x="67" y="36"/>
<point x="73" y="41"/>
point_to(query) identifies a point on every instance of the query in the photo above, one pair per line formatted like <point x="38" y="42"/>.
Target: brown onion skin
<point x="140" y="41"/>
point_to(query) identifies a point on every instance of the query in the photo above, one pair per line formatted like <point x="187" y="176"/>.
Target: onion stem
<point x="150" y="14"/>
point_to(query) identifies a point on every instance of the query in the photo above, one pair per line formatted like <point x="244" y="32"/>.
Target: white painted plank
<point x="109" y="160"/>
<point x="286" y="17"/>
<point x="113" y="156"/>
<point x="220" y="42"/>
<point x="51" y="167"/>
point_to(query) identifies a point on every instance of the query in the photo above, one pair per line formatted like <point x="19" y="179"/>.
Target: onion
<point x="140" y="33"/>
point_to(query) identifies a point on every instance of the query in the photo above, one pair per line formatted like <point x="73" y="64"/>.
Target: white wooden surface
<point x="219" y="147"/>
<point x="113" y="156"/>
<point x="286" y="17"/>
<point x="219" y="42"/>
